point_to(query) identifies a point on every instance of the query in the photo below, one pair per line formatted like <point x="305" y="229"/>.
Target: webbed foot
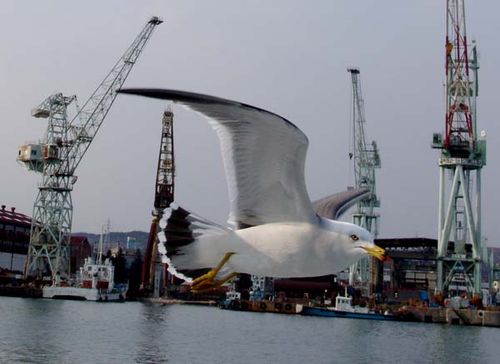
<point x="207" y="281"/>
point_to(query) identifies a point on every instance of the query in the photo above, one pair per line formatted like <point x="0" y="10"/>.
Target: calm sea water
<point x="46" y="331"/>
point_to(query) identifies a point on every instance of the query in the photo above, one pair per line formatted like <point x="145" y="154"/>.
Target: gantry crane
<point x="164" y="196"/>
<point x="365" y="159"/>
<point x="463" y="155"/>
<point x="58" y="156"/>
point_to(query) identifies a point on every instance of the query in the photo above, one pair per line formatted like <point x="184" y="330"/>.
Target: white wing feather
<point x="264" y="157"/>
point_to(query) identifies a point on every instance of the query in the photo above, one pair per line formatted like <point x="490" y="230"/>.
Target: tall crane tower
<point x="164" y="196"/>
<point x="58" y="156"/>
<point x="366" y="159"/>
<point x="463" y="156"/>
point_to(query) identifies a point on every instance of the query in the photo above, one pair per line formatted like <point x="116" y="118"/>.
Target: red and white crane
<point x="463" y="155"/>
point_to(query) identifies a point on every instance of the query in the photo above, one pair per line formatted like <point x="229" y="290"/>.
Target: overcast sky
<point x="289" y="57"/>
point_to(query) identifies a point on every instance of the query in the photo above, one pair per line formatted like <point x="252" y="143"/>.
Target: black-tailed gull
<point x="277" y="233"/>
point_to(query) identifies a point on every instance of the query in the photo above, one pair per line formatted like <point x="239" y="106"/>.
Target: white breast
<point x="288" y="250"/>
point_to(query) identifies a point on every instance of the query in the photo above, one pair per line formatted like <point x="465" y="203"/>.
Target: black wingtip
<point x="193" y="98"/>
<point x="175" y="95"/>
<point x="147" y="92"/>
<point x="127" y="90"/>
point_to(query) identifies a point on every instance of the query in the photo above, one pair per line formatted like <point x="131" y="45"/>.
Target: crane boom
<point x="57" y="158"/>
<point x="459" y="131"/>
<point x="365" y="159"/>
<point x="90" y="117"/>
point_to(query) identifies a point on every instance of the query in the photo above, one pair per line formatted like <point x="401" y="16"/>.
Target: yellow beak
<point x="375" y="251"/>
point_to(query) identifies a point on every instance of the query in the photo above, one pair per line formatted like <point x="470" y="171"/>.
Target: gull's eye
<point x="354" y="237"/>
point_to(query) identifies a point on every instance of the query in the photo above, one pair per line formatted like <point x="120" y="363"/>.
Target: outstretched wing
<point x="333" y="206"/>
<point x="264" y="156"/>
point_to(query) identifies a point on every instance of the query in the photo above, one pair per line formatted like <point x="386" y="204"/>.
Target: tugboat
<point x="344" y="308"/>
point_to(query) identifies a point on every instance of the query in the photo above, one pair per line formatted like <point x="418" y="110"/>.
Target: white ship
<point x="94" y="282"/>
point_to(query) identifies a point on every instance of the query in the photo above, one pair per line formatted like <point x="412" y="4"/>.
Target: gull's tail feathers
<point x="189" y="243"/>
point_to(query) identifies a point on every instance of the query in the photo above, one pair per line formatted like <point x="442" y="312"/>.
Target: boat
<point x="234" y="302"/>
<point x="262" y="306"/>
<point x="344" y="308"/>
<point x="94" y="282"/>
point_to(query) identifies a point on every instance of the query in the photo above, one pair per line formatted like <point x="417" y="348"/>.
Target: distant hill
<point x="138" y="239"/>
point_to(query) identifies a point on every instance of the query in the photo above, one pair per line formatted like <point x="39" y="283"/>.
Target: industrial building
<point x="14" y="242"/>
<point x="412" y="264"/>
<point x="14" y="239"/>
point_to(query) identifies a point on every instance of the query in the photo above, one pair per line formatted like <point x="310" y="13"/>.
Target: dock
<point x="20" y="291"/>
<point x="454" y="316"/>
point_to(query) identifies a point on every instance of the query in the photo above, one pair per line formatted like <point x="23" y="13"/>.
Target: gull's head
<point x="368" y="246"/>
<point x="357" y="240"/>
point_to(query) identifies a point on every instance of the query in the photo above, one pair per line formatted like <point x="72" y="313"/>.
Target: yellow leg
<point x="207" y="286"/>
<point x="207" y="281"/>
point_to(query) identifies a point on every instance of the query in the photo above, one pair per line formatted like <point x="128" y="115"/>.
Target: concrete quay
<point x="455" y="316"/>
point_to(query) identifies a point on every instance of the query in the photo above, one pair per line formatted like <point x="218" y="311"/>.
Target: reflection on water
<point x="46" y="331"/>
<point x="150" y="347"/>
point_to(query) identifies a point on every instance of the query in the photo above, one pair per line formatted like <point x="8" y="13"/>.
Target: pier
<point x="455" y="316"/>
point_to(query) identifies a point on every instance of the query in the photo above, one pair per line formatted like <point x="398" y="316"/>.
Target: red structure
<point x="14" y="238"/>
<point x="80" y="249"/>
<point x="459" y="124"/>
<point x="14" y="242"/>
<point x="164" y="195"/>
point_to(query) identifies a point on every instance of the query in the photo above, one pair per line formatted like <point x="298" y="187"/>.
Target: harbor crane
<point x="463" y="155"/>
<point x="164" y="196"/>
<point x="57" y="157"/>
<point x="366" y="159"/>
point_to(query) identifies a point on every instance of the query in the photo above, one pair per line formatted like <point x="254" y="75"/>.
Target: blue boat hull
<point x="319" y="311"/>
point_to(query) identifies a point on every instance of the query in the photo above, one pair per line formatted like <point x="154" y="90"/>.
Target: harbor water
<point x="57" y="331"/>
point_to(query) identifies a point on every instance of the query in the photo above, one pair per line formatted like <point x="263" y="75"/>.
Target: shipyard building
<point x="14" y="243"/>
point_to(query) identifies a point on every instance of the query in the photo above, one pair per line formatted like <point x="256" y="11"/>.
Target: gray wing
<point x="263" y="153"/>
<point x="333" y="206"/>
